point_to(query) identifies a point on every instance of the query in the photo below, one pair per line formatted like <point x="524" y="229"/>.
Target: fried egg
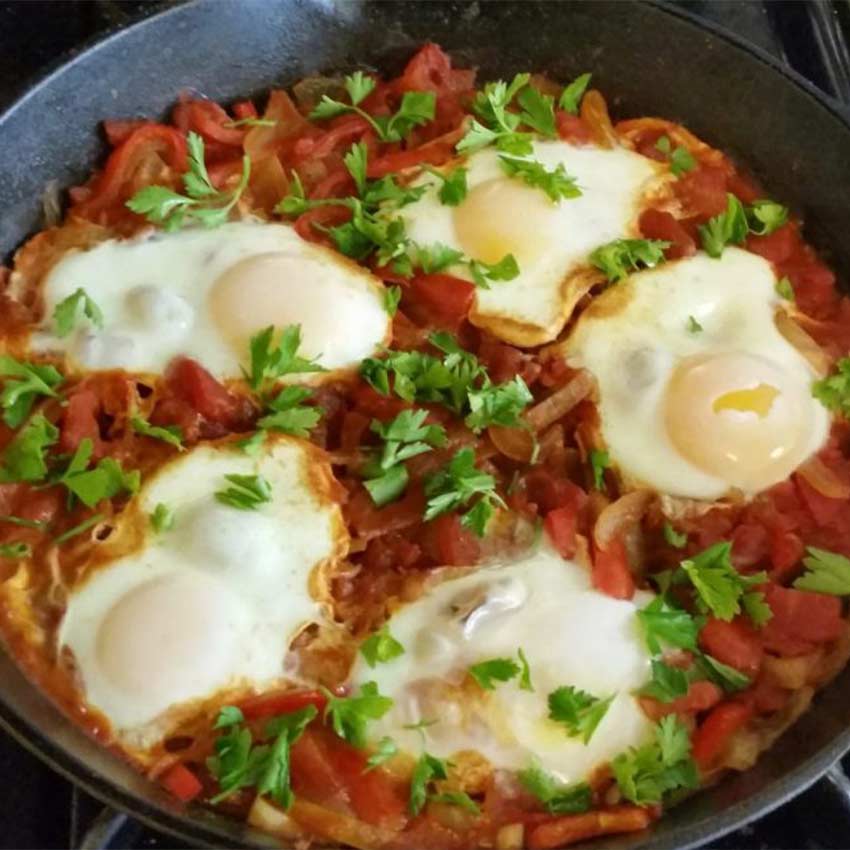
<point x="570" y="634"/>
<point x="213" y="603"/>
<point x="204" y="293"/>
<point x="550" y="241"/>
<point x="699" y="391"/>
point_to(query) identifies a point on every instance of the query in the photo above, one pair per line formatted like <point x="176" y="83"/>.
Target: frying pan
<point x="648" y="59"/>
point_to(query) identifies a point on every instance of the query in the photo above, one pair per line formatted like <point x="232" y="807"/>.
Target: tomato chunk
<point x="439" y="299"/>
<point x="80" y="421"/>
<point x="657" y="224"/>
<point x="270" y="705"/>
<point x="456" y="545"/>
<point x="800" y="615"/>
<point x="560" y="525"/>
<point x="181" y="782"/>
<point x="714" y="733"/>
<point x="569" y="829"/>
<point x="700" y="697"/>
<point x="195" y="385"/>
<point x="735" y="644"/>
<point x="611" y="573"/>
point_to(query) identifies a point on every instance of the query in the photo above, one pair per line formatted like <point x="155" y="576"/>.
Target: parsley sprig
<point x="732" y="226"/>
<point x="555" y="182"/>
<point x="105" y="480"/>
<point x="488" y="673"/>
<point x="66" y="311"/>
<point x="350" y="716"/>
<point x="619" y="258"/>
<point x="380" y="647"/>
<point x="572" y="94"/>
<point x="681" y="159"/>
<point x="833" y="391"/>
<point x="826" y="572"/>
<point x="23" y="384"/>
<point x="202" y="204"/>
<point x="557" y="799"/>
<point x="25" y="457"/>
<point x="246" y="493"/>
<point x="578" y="711"/>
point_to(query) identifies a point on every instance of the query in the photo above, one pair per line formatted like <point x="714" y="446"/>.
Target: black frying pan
<point x="648" y="60"/>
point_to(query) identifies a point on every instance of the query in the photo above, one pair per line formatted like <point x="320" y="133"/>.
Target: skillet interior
<point x="646" y="59"/>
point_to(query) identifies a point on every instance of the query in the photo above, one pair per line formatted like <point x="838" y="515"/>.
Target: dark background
<point x="39" y="809"/>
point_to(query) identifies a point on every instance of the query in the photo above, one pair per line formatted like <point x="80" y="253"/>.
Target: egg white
<point x="570" y="633"/>
<point x="551" y="241"/>
<point x="203" y="293"/>
<point x="632" y="337"/>
<point x="213" y="603"/>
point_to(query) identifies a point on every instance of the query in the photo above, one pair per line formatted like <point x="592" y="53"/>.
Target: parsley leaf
<point x="15" y="551"/>
<point x="644" y="775"/>
<point x="833" y="391"/>
<point x="228" y="715"/>
<point x="525" y="683"/>
<point x="270" y="361"/>
<point x="350" y="716"/>
<point x="65" y="313"/>
<point x="456" y="798"/>
<point x="482" y="273"/>
<point x="728" y="678"/>
<point x="389" y="485"/>
<point x="392" y="298"/>
<point x="23" y="459"/>
<point x="764" y="216"/>
<point x="681" y="159"/>
<point x="826" y="572"/>
<point x="720" y="588"/>
<point x="538" y="111"/>
<point x="622" y="256"/>
<point x="578" y="711"/>
<point x="104" y="481"/>
<point x="573" y="93"/>
<point x="498" y="404"/>
<point x="785" y="289"/>
<point x="599" y="462"/>
<point x="664" y="624"/>
<point x="500" y="125"/>
<point x="453" y="191"/>
<point x="380" y="647"/>
<point x="676" y="539"/>
<point x="435" y="257"/>
<point x="203" y="203"/>
<point x="694" y="326"/>
<point x="727" y="228"/>
<point x="170" y="434"/>
<point x="355" y="161"/>
<point x="487" y="673"/>
<point x="667" y="683"/>
<point x="252" y="445"/>
<point x="556" y="798"/>
<point x="162" y="518"/>
<point x="456" y="485"/>
<point x="359" y="86"/>
<point x="556" y="183"/>
<point x="288" y="415"/>
<point x="247" y="493"/>
<point x="427" y="769"/>
<point x="24" y="383"/>
<point x="387" y="748"/>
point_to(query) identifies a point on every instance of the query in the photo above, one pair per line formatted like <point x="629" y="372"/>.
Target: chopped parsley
<point x="498" y="404"/>
<point x="764" y="216"/>
<point x="499" y="127"/>
<point x="247" y="492"/>
<point x="556" y="798"/>
<point x="162" y="518"/>
<point x="458" y="484"/>
<point x="666" y="625"/>
<point x="170" y="434"/>
<point x="386" y="749"/>
<point x="619" y="258"/>
<point x="76" y="530"/>
<point x="202" y="204"/>
<point x="287" y="414"/>
<point x="453" y="189"/>
<point x="104" y="481"/>
<point x="350" y="716"/>
<point x="427" y="769"/>
<point x="578" y="711"/>
<point x="456" y="798"/>
<point x="15" y="551"/>
<point x="525" y="683"/>
<point x="272" y="360"/>
<point x="694" y="326"/>
<point x="392" y="298"/>
<point x="826" y="572"/>
<point x="24" y="383"/>
<point x="65" y="313"/>
<point x="785" y="289"/>
<point x="833" y="391"/>
<point x="681" y="159"/>
<point x="483" y="273"/>
<point x="380" y="647"/>
<point x="676" y="539"/>
<point x="573" y="93"/>
<point x="556" y="183"/>
<point x="667" y="683"/>
<point x="727" y="228"/>
<point x="645" y="774"/>
<point x="488" y="673"/>
<point x="23" y="458"/>
<point x="726" y="677"/>
<point x="599" y="462"/>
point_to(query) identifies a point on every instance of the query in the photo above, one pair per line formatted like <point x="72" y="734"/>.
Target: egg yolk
<point x="737" y="417"/>
<point x="279" y="289"/>
<point x="503" y="216"/>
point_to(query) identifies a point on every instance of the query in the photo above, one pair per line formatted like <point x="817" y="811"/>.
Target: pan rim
<point x="184" y="824"/>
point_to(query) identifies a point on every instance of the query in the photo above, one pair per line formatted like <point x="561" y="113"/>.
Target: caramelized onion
<point x="561" y="402"/>
<point x="619" y="519"/>
<point x="823" y="479"/>
<point x="594" y="113"/>
<point x="515" y="443"/>
<point x="269" y="818"/>
<point x="339" y="828"/>
<point x="309" y="91"/>
<point x="817" y="358"/>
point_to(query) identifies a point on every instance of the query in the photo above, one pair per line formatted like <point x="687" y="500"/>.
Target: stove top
<point x="39" y="809"/>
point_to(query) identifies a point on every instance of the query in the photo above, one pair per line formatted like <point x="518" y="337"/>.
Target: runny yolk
<point x="757" y="400"/>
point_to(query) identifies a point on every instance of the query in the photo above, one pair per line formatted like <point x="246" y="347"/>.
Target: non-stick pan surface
<point x="648" y="60"/>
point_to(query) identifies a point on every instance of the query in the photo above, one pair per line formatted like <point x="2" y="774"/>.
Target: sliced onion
<point x="515" y="443"/>
<point x="51" y="203"/>
<point x="510" y="837"/>
<point x="339" y="828"/>
<point x="269" y="818"/>
<point x="561" y="402"/>
<point x="823" y="479"/>
<point x="676" y="508"/>
<point x="817" y="358"/>
<point x="792" y="673"/>
<point x="594" y="113"/>
<point x="619" y="519"/>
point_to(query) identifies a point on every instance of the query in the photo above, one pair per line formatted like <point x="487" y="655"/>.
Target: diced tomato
<point x="209" y="119"/>
<point x="374" y="404"/>
<point x="814" y="285"/>
<point x="181" y="782"/>
<point x="504" y="362"/>
<point x="800" y="618"/>
<point x="736" y="644"/>
<point x="118" y="130"/>
<point x="767" y="696"/>
<point x="549" y="492"/>
<point x="79" y="421"/>
<point x="354" y="427"/>
<point x="703" y="191"/>
<point x="701" y="696"/>
<point x="712" y="736"/>
<point x="364" y="518"/>
<point x="284" y="702"/>
<point x="191" y="382"/>
<point x="176" y="411"/>
<point x="571" y="128"/>
<point x="560" y="525"/>
<point x="611" y="573"/>
<point x="776" y="247"/>
<point x="750" y="544"/>
<point x="345" y="131"/>
<point x="244" y="109"/>
<point x="390" y="552"/>
<point x="822" y="508"/>
<point x="657" y="224"/>
<point x="436" y="152"/>
<point x="439" y="299"/>
<point x="456" y="546"/>
<point x="562" y="831"/>
<point x="786" y="550"/>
